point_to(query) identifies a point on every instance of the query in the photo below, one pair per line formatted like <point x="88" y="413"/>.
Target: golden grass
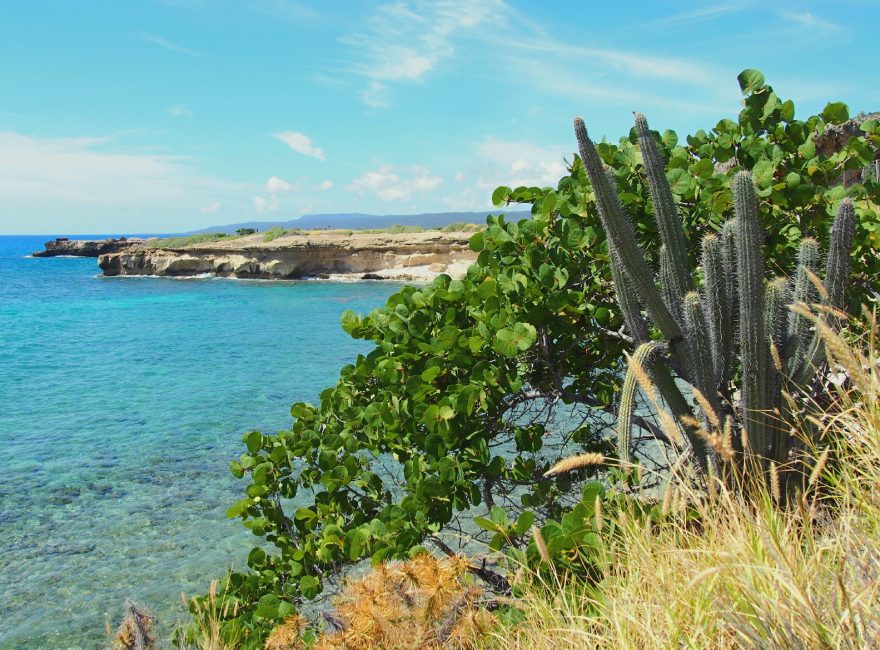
<point x="751" y="573"/>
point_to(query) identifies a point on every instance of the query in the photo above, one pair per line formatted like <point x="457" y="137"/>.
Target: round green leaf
<point x="750" y="80"/>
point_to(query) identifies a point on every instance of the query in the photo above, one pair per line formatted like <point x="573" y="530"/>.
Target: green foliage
<point x="762" y="325"/>
<point x="188" y="240"/>
<point x="277" y="231"/>
<point x="474" y="387"/>
<point x="394" y="230"/>
<point x="244" y="232"/>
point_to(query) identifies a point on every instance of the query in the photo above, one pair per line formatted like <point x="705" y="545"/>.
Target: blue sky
<point x="170" y="115"/>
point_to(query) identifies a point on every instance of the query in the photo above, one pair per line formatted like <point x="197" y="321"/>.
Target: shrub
<point x="476" y="387"/>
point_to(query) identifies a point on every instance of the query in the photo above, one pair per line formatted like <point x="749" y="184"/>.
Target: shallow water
<point x="122" y="401"/>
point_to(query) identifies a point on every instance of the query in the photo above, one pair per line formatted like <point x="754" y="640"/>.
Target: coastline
<point x="298" y="255"/>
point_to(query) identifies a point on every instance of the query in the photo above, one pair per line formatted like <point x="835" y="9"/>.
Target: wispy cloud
<point x="263" y="204"/>
<point x="375" y="95"/>
<point x="300" y="143"/>
<point x="168" y="45"/>
<point x="389" y="183"/>
<point x="180" y="111"/>
<point x="404" y="41"/>
<point x="698" y="15"/>
<point x="807" y="19"/>
<point x="410" y="40"/>
<point x="210" y="208"/>
<point x="72" y="173"/>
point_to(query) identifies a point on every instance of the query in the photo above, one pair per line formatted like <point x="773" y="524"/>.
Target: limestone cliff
<point x="308" y="254"/>
<point x="84" y="247"/>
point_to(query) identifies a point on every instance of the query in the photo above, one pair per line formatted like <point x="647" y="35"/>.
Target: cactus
<point x="803" y="291"/>
<point x="668" y="283"/>
<point x="754" y="351"/>
<point x="838" y="262"/>
<point x="718" y="308"/>
<point x="733" y="310"/>
<point x="665" y="211"/>
<point x="628" y="301"/>
<point x="619" y="228"/>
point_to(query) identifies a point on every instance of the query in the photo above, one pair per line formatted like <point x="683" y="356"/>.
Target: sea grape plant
<point x="776" y="353"/>
<point x="475" y="387"/>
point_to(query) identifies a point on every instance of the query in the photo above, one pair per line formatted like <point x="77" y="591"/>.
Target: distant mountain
<point x="358" y="221"/>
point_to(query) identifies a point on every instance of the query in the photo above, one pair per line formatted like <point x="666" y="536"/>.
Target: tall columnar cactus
<point x="665" y="211"/>
<point x="734" y="310"/>
<point x="753" y="339"/>
<point x="718" y="308"/>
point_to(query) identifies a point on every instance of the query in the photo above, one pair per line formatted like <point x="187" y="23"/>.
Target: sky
<point x="149" y="116"/>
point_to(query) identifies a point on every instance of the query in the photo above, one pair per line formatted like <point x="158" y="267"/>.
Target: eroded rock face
<point x="401" y="256"/>
<point x="84" y="247"/>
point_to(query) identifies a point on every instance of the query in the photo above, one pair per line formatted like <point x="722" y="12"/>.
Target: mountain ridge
<point x="362" y="221"/>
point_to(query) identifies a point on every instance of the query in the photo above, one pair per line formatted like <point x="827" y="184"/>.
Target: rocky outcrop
<point x="409" y="256"/>
<point x="84" y="247"/>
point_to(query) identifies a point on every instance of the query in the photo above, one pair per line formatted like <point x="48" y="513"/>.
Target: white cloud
<point x="52" y="171"/>
<point x="275" y="184"/>
<point x="90" y="184"/>
<point x="405" y="40"/>
<point x="210" y="209"/>
<point x="697" y="15"/>
<point x="376" y="95"/>
<point x="809" y="20"/>
<point x="326" y="185"/>
<point x="391" y="184"/>
<point x="165" y="43"/>
<point x="263" y="204"/>
<point x="504" y="162"/>
<point x="300" y="143"/>
<point x="180" y="111"/>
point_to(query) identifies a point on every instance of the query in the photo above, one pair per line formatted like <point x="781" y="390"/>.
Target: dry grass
<point x="751" y="574"/>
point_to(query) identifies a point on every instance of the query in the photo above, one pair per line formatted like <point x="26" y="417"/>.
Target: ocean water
<point x="122" y="401"/>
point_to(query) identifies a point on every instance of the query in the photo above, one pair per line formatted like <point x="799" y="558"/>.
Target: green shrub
<point x="475" y="387"/>
<point x="188" y="240"/>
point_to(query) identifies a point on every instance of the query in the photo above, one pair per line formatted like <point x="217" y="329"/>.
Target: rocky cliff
<point x="309" y="254"/>
<point x="84" y="247"/>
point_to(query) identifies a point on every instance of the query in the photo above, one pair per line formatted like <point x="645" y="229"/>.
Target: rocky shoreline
<point x="62" y="246"/>
<point x="341" y="255"/>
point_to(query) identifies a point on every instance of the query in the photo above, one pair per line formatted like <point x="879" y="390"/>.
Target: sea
<point x="122" y="401"/>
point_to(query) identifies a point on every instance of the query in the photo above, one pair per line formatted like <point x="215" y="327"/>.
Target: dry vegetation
<point x="751" y="573"/>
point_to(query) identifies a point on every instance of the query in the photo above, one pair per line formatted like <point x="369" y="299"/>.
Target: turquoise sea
<point x="122" y="401"/>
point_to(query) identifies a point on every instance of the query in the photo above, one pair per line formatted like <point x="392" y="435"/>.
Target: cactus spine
<point x="703" y="371"/>
<point x="628" y="300"/>
<point x="799" y="338"/>
<point x="667" y="283"/>
<point x="838" y="263"/>
<point x="754" y="351"/>
<point x="718" y="309"/>
<point x="643" y="357"/>
<point x="665" y="212"/>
